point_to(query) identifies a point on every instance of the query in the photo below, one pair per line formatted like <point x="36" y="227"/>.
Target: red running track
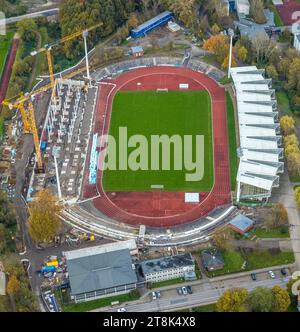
<point x="136" y="214"/>
<point x="8" y="69"/>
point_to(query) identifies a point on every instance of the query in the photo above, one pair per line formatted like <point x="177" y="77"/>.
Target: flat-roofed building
<point x="169" y="267"/>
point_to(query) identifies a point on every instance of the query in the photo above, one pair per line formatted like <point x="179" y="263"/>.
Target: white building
<point x="166" y="268"/>
<point x="260" y="152"/>
<point x="243" y="7"/>
<point x="297" y="42"/>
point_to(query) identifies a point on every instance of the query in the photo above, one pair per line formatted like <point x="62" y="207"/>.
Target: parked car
<point x="184" y="290"/>
<point x="179" y="290"/>
<point x="283" y="271"/>
<point x="154" y="296"/>
<point x="121" y="310"/>
<point x="189" y="289"/>
<point x="271" y="274"/>
<point x="158" y="294"/>
<point x="253" y="276"/>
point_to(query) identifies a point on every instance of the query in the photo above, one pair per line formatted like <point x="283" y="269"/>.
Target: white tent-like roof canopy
<point x="259" y="152"/>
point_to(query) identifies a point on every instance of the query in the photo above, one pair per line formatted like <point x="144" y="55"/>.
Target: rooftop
<point x="242" y="222"/>
<point x="212" y="259"/>
<point x="166" y="263"/>
<point x="101" y="271"/>
<point x="153" y="20"/>
<point x="136" y="49"/>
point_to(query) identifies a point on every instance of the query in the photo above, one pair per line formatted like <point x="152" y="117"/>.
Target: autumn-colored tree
<point x="297" y="196"/>
<point x="186" y="11"/>
<point x="293" y="163"/>
<point x="281" y="299"/>
<point x="241" y="52"/>
<point x="272" y="72"/>
<point x="292" y="148"/>
<point x="13" y="286"/>
<point x="218" y="45"/>
<point x="279" y="214"/>
<point x="44" y="222"/>
<point x="222" y="238"/>
<point x="290" y="140"/>
<point x="133" y="21"/>
<point x="233" y="300"/>
<point x="287" y="124"/>
<point x="261" y="299"/>
<point x="256" y="11"/>
<point x="225" y="63"/>
<point x="215" y="29"/>
<point x="293" y="79"/>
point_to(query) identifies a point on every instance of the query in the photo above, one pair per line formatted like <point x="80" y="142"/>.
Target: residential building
<point x="137" y="51"/>
<point x="297" y="42"/>
<point x="166" y="268"/>
<point x="2" y="283"/>
<point x="212" y="259"/>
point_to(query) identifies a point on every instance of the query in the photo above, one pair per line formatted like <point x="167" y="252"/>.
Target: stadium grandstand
<point x="260" y="153"/>
<point x="152" y="24"/>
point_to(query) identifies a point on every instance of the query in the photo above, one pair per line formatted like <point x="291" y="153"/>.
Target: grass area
<point x="151" y="113"/>
<point x="210" y="59"/>
<point x="166" y="283"/>
<point x="104" y="302"/>
<point x="276" y="232"/>
<point x="294" y="178"/>
<point x="283" y="102"/>
<point x="5" y="42"/>
<point x="205" y="308"/>
<point x="232" y="140"/>
<point x="257" y="259"/>
<point x="225" y="80"/>
<point x="277" y="19"/>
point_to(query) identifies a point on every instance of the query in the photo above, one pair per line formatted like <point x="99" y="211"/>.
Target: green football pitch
<point x="161" y="113"/>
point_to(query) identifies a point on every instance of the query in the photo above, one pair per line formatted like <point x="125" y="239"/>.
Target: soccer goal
<point x="162" y="90"/>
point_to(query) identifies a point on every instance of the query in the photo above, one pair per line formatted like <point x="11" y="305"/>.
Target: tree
<point x="222" y="238"/>
<point x="297" y="196"/>
<point x="256" y="11"/>
<point x="292" y="148"/>
<point x="13" y="286"/>
<point x="27" y="29"/>
<point x="263" y="47"/>
<point x="218" y="45"/>
<point x="293" y="76"/>
<point x="290" y="140"/>
<point x="241" y="52"/>
<point x="281" y="299"/>
<point x="261" y="299"/>
<point x="293" y="163"/>
<point x="272" y="72"/>
<point x="186" y="11"/>
<point x="280" y="214"/>
<point x="44" y="222"/>
<point x="215" y="29"/>
<point x="133" y="21"/>
<point x="232" y="300"/>
<point x="287" y="124"/>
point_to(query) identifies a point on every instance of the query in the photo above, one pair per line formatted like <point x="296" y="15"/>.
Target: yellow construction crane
<point x="48" y="48"/>
<point x="28" y="118"/>
<point x="24" y="102"/>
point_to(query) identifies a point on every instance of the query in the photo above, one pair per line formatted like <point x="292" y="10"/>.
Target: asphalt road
<point x="203" y="294"/>
<point x="47" y="12"/>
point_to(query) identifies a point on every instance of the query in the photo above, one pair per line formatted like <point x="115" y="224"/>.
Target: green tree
<point x="44" y="222"/>
<point x="281" y="299"/>
<point x="261" y="299"/>
<point x="27" y="29"/>
<point x="233" y="300"/>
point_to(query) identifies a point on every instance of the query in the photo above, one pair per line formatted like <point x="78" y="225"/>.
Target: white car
<point x="154" y="296"/>
<point x="184" y="290"/>
<point x="121" y="310"/>
<point x="271" y="274"/>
